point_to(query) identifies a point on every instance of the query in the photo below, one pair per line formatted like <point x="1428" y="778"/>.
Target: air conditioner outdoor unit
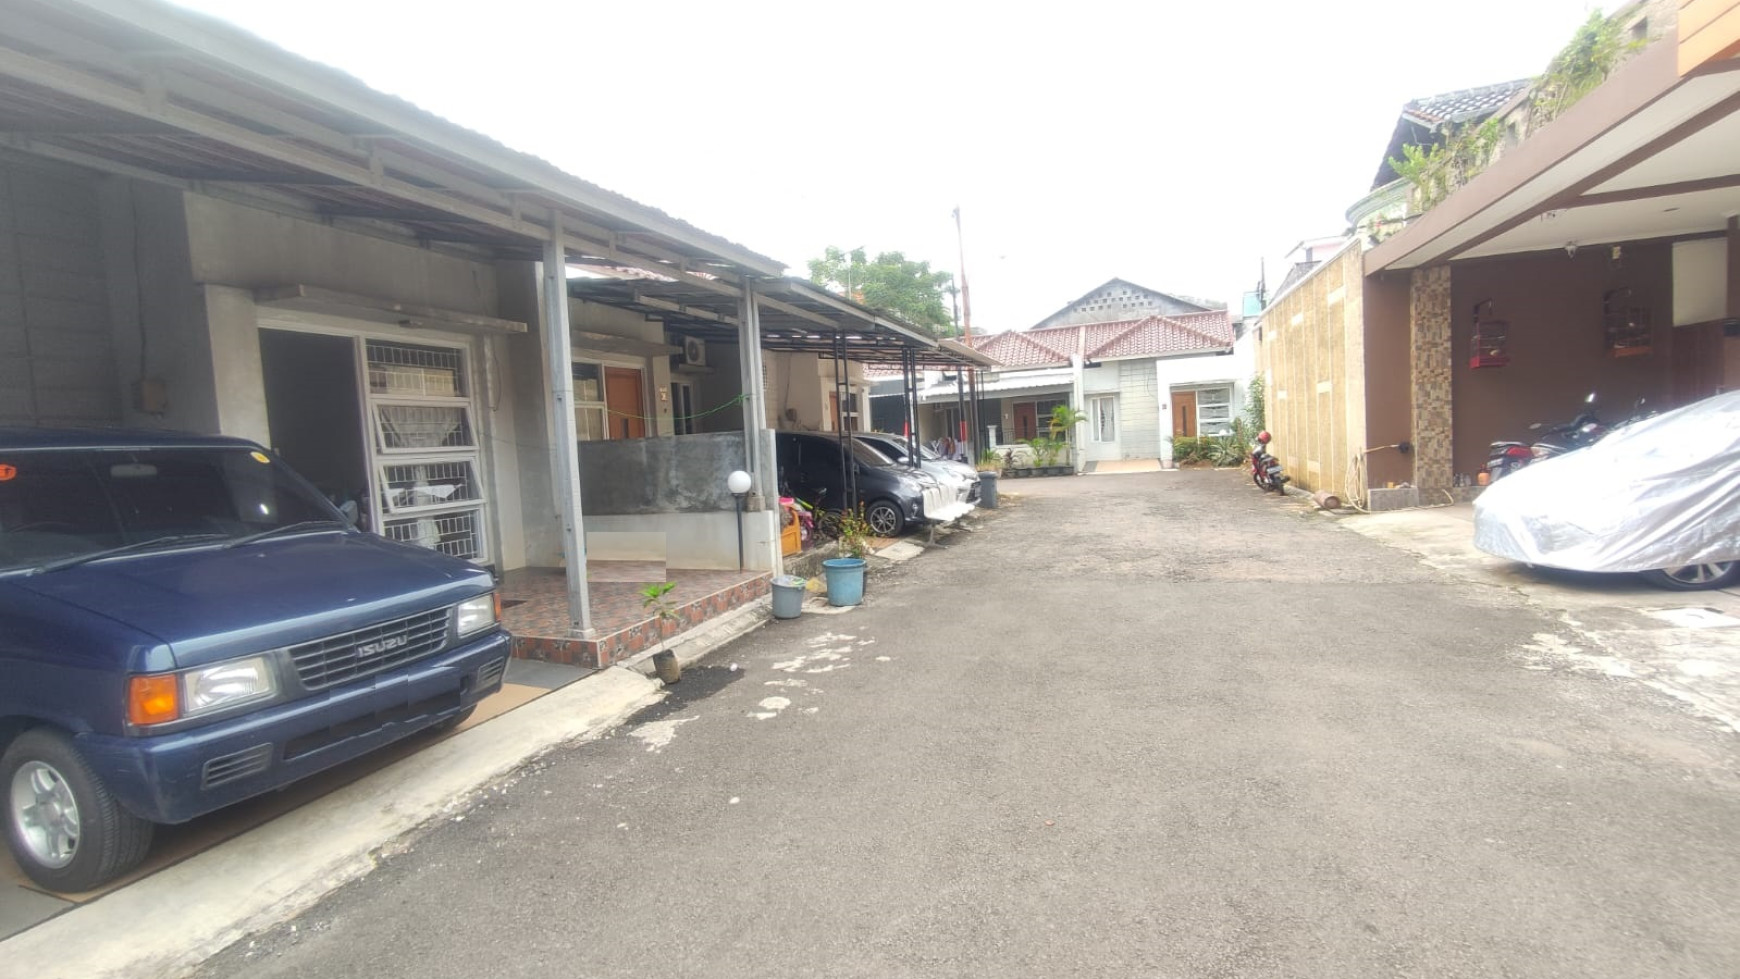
<point x="694" y="352"/>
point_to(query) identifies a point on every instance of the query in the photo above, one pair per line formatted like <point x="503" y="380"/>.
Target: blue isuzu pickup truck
<point x="185" y="623"/>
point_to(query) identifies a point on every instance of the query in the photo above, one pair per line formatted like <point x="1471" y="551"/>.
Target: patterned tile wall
<point x="1432" y="360"/>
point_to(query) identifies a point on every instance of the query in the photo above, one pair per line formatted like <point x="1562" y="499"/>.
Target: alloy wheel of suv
<point x="64" y="828"/>
<point x="884" y="518"/>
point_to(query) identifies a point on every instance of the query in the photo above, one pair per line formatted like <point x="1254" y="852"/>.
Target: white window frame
<point x="479" y="509"/>
<point x="1214" y="417"/>
<point x="1101" y="404"/>
<point x="598" y="409"/>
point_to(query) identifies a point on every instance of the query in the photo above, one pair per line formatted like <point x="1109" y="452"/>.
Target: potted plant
<point x="1064" y="419"/>
<point x="846" y="574"/>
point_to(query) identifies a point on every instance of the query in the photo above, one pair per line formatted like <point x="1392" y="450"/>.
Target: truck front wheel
<point x="64" y="828"/>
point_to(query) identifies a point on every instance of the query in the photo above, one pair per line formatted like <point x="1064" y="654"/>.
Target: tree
<point x="908" y="289"/>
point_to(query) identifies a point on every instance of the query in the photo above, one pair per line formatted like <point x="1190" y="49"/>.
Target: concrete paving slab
<point x="22" y="908"/>
<point x="1674" y="642"/>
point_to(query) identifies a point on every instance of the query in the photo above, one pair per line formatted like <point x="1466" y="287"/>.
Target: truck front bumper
<point x="175" y="777"/>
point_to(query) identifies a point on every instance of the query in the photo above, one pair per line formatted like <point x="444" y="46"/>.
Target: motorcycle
<point x="1506" y="457"/>
<point x="1265" y="468"/>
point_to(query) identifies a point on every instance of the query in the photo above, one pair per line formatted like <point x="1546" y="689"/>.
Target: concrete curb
<point x="170" y="922"/>
<point x="696" y="643"/>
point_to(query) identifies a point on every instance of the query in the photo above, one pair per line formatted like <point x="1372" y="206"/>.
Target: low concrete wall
<point x="697" y="540"/>
<point x="685" y="474"/>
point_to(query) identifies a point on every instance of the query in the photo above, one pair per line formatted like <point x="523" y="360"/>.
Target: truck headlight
<point x="164" y="697"/>
<point x="227" y="684"/>
<point x="476" y="614"/>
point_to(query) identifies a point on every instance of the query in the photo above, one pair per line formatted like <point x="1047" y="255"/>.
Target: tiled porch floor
<point x="535" y="608"/>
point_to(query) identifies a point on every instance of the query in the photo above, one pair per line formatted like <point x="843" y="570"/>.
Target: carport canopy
<point x="795" y="316"/>
<point x="142" y="89"/>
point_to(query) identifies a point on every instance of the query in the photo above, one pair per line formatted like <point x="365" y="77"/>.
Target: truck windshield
<point x="59" y="504"/>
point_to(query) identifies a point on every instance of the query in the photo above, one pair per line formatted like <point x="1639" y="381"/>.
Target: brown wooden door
<point x="627" y="408"/>
<point x="1184" y="414"/>
<point x="1026" y="421"/>
<point x="1697" y="360"/>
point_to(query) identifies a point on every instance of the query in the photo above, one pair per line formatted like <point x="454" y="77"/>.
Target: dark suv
<point x="185" y="623"/>
<point x="811" y="469"/>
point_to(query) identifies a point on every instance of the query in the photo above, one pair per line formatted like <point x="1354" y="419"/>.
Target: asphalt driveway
<point x="1152" y="724"/>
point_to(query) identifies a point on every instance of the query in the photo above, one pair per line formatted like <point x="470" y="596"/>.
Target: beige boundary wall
<point x="1313" y="360"/>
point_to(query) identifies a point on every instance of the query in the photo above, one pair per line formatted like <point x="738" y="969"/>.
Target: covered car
<point x="1659" y="496"/>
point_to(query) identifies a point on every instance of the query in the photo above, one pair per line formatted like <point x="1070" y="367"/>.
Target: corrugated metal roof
<point x="148" y="90"/>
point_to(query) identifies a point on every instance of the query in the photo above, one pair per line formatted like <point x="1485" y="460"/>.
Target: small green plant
<point x="1254" y="408"/>
<point x="991" y="461"/>
<point x="1186" y="448"/>
<point x="1596" y="48"/>
<point x="1046" y="450"/>
<point x="1225" y="450"/>
<point x="855" y="533"/>
<point x="657" y="596"/>
<point x="1064" y="419"/>
<point x="1438" y="171"/>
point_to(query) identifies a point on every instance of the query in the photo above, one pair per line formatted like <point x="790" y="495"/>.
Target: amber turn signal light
<point x="153" y="699"/>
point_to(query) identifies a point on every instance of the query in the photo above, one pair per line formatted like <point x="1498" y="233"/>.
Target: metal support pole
<point x="565" y="454"/>
<point x="961" y="414"/>
<point x="750" y="368"/>
<point x="842" y="396"/>
<point x="978" y="443"/>
<point x="909" y="374"/>
<point x="739" y="530"/>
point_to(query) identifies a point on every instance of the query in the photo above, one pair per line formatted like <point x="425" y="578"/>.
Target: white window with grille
<point x="426" y="456"/>
<point x="1214" y="411"/>
<point x="589" y="405"/>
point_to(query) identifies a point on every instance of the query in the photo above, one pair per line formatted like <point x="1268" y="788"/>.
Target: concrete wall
<point x="246" y="247"/>
<point x="1313" y="342"/>
<point x="57" y="358"/>
<point x="1388" y="398"/>
<point x="1557" y="347"/>
<point x="717" y="386"/>
<point x="702" y="540"/>
<point x="682" y="474"/>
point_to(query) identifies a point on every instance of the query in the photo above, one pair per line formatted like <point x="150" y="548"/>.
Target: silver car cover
<point x="1661" y="492"/>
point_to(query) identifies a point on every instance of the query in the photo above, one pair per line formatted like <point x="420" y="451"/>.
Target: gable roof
<point x="1152" y="336"/>
<point x="1193" y="303"/>
<point x="1423" y="120"/>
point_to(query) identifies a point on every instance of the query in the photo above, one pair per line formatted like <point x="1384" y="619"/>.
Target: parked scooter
<point x="1505" y="458"/>
<point x="1265" y="468"/>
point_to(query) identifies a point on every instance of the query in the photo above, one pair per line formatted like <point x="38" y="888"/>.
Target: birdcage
<point x="1627" y="324"/>
<point x="1490" y="344"/>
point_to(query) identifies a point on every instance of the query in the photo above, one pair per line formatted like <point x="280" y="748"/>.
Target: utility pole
<point x="966" y="297"/>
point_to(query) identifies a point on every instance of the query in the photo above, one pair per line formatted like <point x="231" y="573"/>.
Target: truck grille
<point x="336" y="659"/>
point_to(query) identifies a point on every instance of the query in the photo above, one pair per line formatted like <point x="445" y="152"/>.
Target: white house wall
<point x="234" y="250"/>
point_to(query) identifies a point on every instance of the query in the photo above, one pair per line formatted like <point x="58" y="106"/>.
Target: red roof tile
<point x="1152" y="336"/>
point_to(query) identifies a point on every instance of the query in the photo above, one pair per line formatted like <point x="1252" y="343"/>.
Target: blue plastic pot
<point x="845" y="580"/>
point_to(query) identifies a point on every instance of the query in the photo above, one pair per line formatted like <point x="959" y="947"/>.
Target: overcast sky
<point x="1174" y="145"/>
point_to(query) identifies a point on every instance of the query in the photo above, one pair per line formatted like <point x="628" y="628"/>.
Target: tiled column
<point x="1432" y="359"/>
